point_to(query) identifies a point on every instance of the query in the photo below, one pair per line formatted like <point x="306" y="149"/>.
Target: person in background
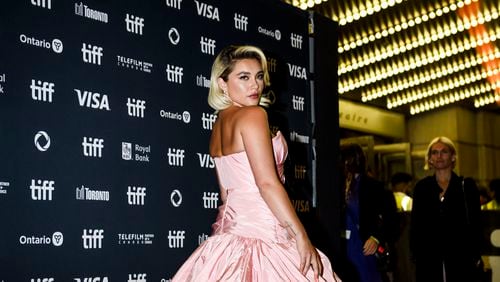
<point x="370" y="218"/>
<point x="257" y="235"/>
<point x="484" y="195"/>
<point x="401" y="185"/>
<point x="445" y="231"/>
<point x="494" y="204"/>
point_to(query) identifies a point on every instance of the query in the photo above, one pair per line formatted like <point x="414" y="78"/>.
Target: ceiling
<point x="417" y="56"/>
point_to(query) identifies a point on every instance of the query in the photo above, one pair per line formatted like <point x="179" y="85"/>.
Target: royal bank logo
<point x="42" y="90"/>
<point x="298" y="103"/>
<point x="176" y="198"/>
<point x="276" y="34"/>
<point x="42" y="3"/>
<point x="42" y="141"/>
<point x="57" y="239"/>
<point x="207" y="11"/>
<point x="134" y="24"/>
<point x="176" y="239"/>
<point x="91" y="279"/>
<point x="137" y="277"/>
<point x="210" y="200"/>
<point x="92" y="147"/>
<point x="92" y="238"/>
<point x="296" y="41"/>
<point x="297" y="71"/>
<point x="206" y="161"/>
<point x="136" y="107"/>
<point x="175" y="157"/>
<point x="2" y="81"/>
<point x="295" y="137"/>
<point x="207" y="45"/>
<point x="92" y="100"/>
<point x="55" y="45"/>
<point x="176" y="4"/>
<point x="185" y="116"/>
<point x="92" y="54"/>
<point x="136" y="195"/>
<point x="174" y="36"/>
<point x="207" y="120"/>
<point x="83" y="10"/>
<point x="86" y="194"/>
<point x="174" y="73"/>
<point x="135" y="239"/>
<point x="240" y="22"/>
<point x="41" y="190"/>
<point x="135" y="152"/>
<point x="3" y="187"/>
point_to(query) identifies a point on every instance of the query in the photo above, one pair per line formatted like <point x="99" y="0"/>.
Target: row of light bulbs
<point x="306" y="4"/>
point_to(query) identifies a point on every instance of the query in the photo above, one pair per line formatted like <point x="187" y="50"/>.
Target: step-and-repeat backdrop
<point x="104" y="127"/>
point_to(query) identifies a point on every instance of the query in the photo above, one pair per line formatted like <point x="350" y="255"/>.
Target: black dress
<point x="445" y="233"/>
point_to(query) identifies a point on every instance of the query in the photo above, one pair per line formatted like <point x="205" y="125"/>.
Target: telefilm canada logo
<point x="134" y="64"/>
<point x="135" y="238"/>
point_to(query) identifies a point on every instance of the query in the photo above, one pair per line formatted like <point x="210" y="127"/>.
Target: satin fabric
<point x="247" y="241"/>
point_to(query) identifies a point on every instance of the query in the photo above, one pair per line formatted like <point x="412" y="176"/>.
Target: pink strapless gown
<point x="247" y="241"/>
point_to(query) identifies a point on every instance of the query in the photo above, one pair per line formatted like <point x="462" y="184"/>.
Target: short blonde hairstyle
<point x="444" y="140"/>
<point x="224" y="65"/>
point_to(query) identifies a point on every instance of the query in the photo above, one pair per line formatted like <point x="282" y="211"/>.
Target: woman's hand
<point x="309" y="257"/>
<point x="370" y="246"/>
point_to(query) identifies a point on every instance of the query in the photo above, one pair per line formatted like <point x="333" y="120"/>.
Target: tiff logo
<point x="271" y="64"/>
<point x="298" y="103"/>
<point x="174" y="4"/>
<point x="296" y="41"/>
<point x="174" y="74"/>
<point x="92" y="238"/>
<point x="136" y="195"/>
<point x="300" y="171"/>
<point x="240" y="22"/>
<point x="92" y="100"/>
<point x="92" y="147"/>
<point x="42" y="91"/>
<point x="41" y="279"/>
<point x="134" y="24"/>
<point x="41" y="190"/>
<point x="92" y="54"/>
<point x="207" y="45"/>
<point x="136" y="107"/>
<point x="206" y="161"/>
<point x="141" y="277"/>
<point x="210" y="200"/>
<point x="175" y="157"/>
<point x="42" y="3"/>
<point x="176" y="238"/>
<point x="207" y="121"/>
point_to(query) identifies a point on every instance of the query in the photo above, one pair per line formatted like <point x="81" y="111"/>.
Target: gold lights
<point x="416" y="55"/>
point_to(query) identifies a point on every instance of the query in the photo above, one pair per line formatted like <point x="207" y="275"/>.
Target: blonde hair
<point x="224" y="65"/>
<point x="444" y="140"/>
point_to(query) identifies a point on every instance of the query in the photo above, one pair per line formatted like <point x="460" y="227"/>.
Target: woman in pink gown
<point x="257" y="235"/>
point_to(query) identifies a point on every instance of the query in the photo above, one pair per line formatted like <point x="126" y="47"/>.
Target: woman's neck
<point x="443" y="179"/>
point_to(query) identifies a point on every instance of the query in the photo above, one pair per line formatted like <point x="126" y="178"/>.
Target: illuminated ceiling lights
<point x="417" y="55"/>
<point x="306" y="4"/>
